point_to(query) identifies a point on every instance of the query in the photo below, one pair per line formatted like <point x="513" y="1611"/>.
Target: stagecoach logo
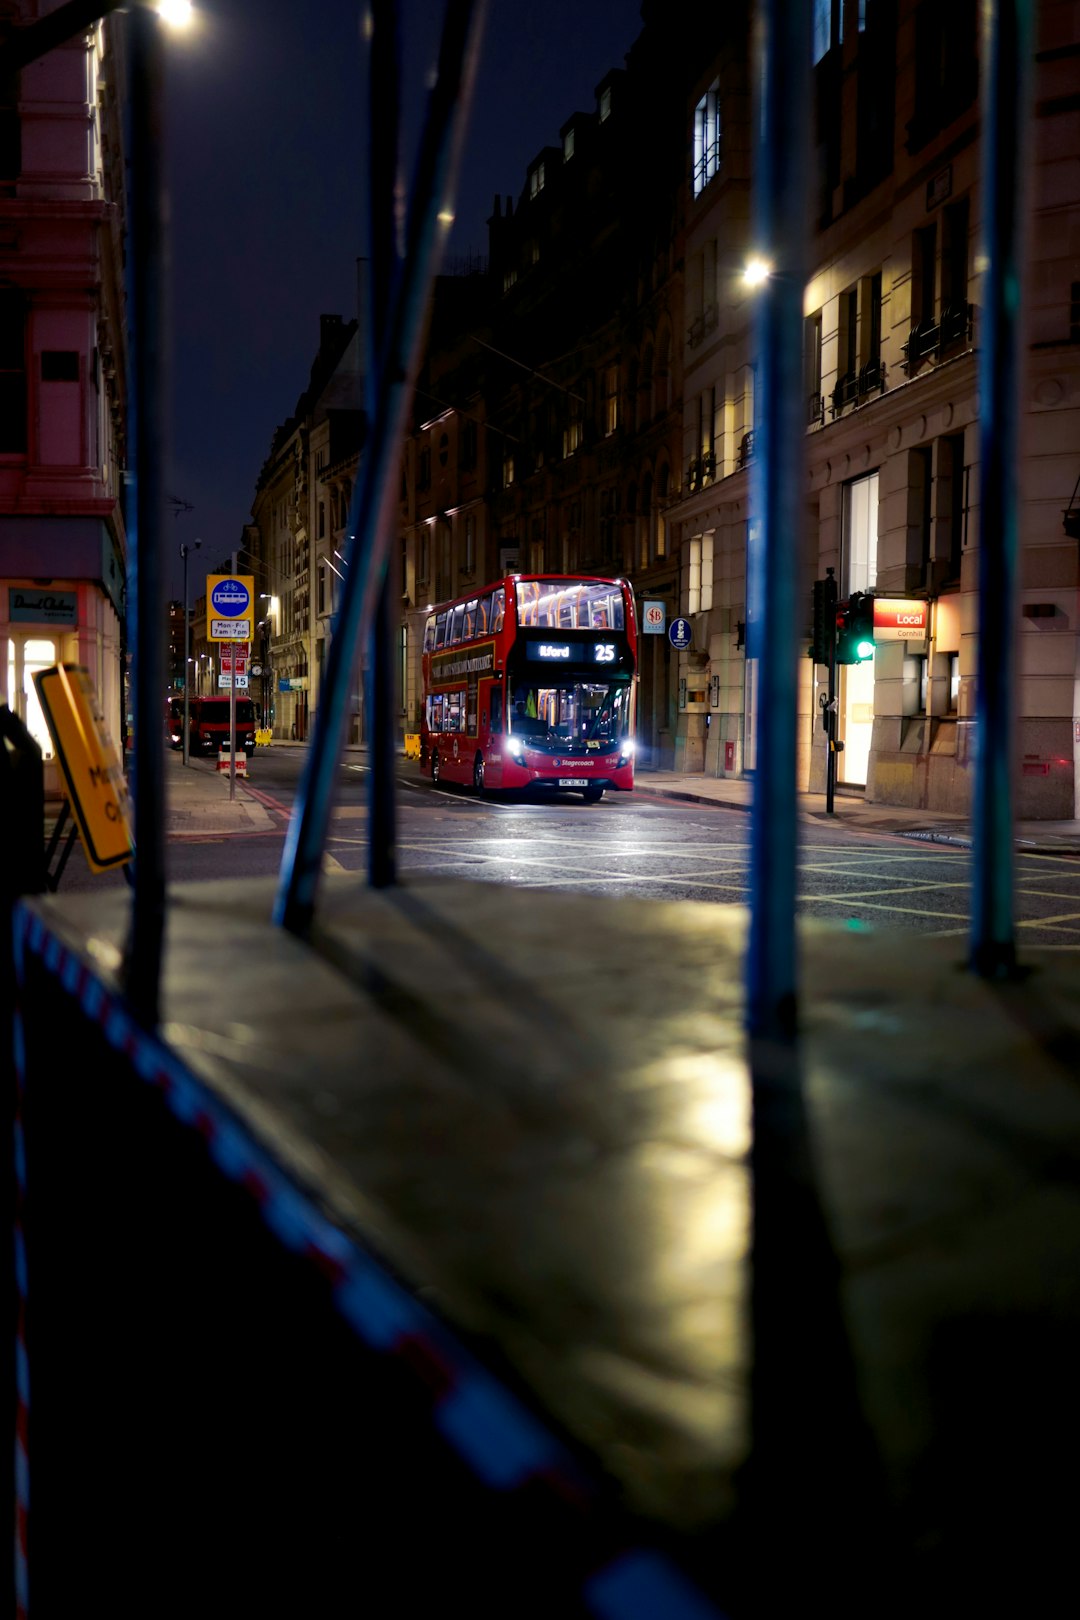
<point x="452" y="666"/>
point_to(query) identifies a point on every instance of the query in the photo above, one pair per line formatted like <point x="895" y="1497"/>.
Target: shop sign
<point x="901" y="618"/>
<point x="30" y="605"/>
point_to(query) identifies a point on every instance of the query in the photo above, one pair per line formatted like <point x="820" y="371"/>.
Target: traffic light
<point x="824" y="631"/>
<point x="855" y="629"/>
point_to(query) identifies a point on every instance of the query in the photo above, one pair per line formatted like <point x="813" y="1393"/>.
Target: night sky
<point x="266" y="132"/>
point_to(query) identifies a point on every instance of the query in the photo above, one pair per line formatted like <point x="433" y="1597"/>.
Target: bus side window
<point x="440" y="630"/>
<point x="483" y="615"/>
<point x="471" y="626"/>
<point x="495" y="702"/>
<point x="429" y="634"/>
<point x="498" y="602"/>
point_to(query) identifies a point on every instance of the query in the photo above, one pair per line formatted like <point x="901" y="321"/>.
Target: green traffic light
<point x="864" y="649"/>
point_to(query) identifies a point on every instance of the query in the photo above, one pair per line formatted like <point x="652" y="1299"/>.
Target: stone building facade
<point x="62" y="368"/>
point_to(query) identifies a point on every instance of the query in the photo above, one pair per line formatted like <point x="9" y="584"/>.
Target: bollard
<point x="224" y="759"/>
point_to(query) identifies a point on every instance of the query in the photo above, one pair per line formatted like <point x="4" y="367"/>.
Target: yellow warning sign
<point x="93" y="771"/>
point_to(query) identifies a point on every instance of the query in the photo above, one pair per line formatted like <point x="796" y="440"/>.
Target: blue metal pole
<point x="781" y="65"/>
<point x="371" y="518"/>
<point x="1007" y="45"/>
<point x="145" y="508"/>
<point x="384" y="101"/>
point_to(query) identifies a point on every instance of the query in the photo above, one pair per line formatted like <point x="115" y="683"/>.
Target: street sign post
<point x="229" y="606"/>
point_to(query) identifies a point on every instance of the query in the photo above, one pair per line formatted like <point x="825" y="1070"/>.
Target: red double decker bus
<point x="530" y="683"/>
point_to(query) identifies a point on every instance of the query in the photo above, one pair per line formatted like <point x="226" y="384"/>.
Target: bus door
<point x="491" y="732"/>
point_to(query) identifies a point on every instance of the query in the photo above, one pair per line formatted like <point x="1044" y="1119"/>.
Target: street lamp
<point x="184" y="550"/>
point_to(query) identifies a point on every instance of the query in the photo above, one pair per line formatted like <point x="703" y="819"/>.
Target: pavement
<point x="198" y="802"/>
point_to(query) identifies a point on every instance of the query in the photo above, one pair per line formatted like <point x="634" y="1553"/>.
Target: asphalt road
<point x="630" y="844"/>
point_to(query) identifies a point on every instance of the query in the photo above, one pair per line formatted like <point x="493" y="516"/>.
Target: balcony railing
<point x="930" y="339"/>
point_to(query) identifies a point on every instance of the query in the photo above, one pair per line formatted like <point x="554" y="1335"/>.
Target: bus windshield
<point x="570" y="604"/>
<point x="574" y="716"/>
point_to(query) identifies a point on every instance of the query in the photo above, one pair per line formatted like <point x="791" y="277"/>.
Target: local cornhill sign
<point x="899" y="618"/>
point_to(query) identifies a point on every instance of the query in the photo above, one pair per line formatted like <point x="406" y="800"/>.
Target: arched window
<point x="645" y="389"/>
<point x="663" y="370"/>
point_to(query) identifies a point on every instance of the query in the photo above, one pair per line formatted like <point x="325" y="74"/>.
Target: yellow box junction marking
<point x="91" y="765"/>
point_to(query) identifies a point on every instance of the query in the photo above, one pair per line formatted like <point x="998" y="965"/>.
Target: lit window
<point x="509" y="278"/>
<point x="508" y="471"/>
<point x="605" y="104"/>
<point x="707" y="138"/>
<point x="568" y="146"/>
<point x="700" y="574"/>
<point x="536" y="180"/>
<point x="822" y="27"/>
<point x="611" y="399"/>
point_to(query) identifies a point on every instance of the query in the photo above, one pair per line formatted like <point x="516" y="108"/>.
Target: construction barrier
<point x="241" y="761"/>
<point x="263" y="739"/>
<point x="412" y="745"/>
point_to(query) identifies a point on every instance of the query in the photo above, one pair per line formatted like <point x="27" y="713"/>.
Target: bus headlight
<point x="515" y="747"/>
<point x="626" y="750"/>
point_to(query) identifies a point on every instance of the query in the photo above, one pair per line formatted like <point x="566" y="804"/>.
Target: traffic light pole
<point x="831" y="729"/>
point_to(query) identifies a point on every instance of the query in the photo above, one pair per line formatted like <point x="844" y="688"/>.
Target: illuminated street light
<point x="756" y="271"/>
<point x="176" y="13"/>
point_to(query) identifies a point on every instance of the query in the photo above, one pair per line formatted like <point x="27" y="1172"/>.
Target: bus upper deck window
<point x="471" y="626"/>
<point x="429" y="634"/>
<point x="440" y="630"/>
<point x="498" y="606"/>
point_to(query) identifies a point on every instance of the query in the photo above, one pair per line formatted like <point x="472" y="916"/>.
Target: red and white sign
<point x="654" y="616"/>
<point x="899" y="618"/>
<point x="239" y="651"/>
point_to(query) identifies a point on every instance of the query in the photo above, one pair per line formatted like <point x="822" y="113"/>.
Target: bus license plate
<point x="573" y="781"/>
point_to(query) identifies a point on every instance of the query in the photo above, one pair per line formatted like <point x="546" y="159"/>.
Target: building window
<point x="507" y="471"/>
<point x="847" y="333"/>
<point x="468" y="442"/>
<point x="954" y="273"/>
<point x="946" y="66"/>
<point x="860" y="535"/>
<point x="509" y="279"/>
<point x="815" y="404"/>
<point x="611" y="399"/>
<point x="12" y="373"/>
<point x="954" y="683"/>
<point x="60" y="365"/>
<point x="951" y="506"/>
<point x="700" y="574"/>
<point x="423" y="562"/>
<point x="605" y="104"/>
<point x="536" y="180"/>
<point x="469" y="562"/>
<point x="920" y="488"/>
<point x="322" y="520"/>
<point x="706" y="138"/>
<point x="821" y="25"/>
<point x="568" y="146"/>
<point x="423" y="476"/>
<point x="322" y="588"/>
<point x="574" y="431"/>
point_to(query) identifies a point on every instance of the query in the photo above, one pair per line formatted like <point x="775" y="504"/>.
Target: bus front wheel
<point x="435" y="768"/>
<point x="593" y="795"/>
<point x="478" y="775"/>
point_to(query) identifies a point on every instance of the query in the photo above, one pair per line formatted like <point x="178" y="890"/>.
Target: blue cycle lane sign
<point x="229" y="607"/>
<point x="680" y="633"/>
